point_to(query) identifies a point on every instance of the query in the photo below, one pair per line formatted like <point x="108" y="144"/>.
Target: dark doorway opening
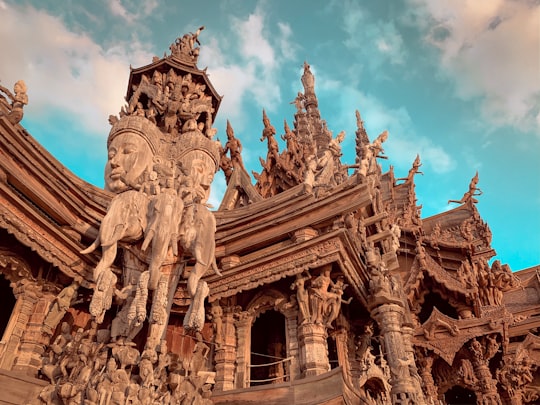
<point x="460" y="396"/>
<point x="7" y="303"/>
<point x="268" y="349"/>
<point x="432" y="300"/>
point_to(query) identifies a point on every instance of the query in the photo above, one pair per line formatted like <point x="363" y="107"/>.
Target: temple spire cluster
<point x="317" y="277"/>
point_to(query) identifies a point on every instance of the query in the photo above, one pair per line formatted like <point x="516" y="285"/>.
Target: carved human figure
<point x="472" y="192"/>
<point x="292" y="144"/>
<point x="61" y="303"/>
<point x="318" y="293"/>
<point x="146" y="368"/>
<point x="371" y="151"/>
<point x="334" y="300"/>
<point x="412" y="171"/>
<point x="197" y="231"/>
<point x="225" y="163"/>
<point x="268" y="133"/>
<point x="363" y="344"/>
<point x="308" y="81"/>
<point x="396" y="233"/>
<point x="233" y="146"/>
<point x="198" y="357"/>
<point x="302" y="296"/>
<point x="216" y="315"/>
<point x="132" y="144"/>
<point x="18" y="101"/>
<point x="328" y="163"/>
<point x="299" y="103"/>
<point x="309" y="175"/>
<point x="380" y="280"/>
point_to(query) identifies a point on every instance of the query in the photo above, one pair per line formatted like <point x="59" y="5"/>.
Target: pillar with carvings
<point x="481" y="354"/>
<point x="425" y="359"/>
<point x="388" y="307"/>
<point x="409" y="353"/>
<point x="33" y="306"/>
<point x="389" y="318"/>
<point x="341" y="336"/>
<point x="291" y="325"/>
<point x="313" y="349"/>
<point x="225" y="354"/>
<point x="244" y="320"/>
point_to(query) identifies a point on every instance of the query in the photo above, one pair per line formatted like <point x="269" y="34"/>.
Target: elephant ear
<point x="124" y="219"/>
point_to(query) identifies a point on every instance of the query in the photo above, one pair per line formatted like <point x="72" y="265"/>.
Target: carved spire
<point x="362" y="138"/>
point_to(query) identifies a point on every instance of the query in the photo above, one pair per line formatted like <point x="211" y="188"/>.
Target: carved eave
<point x="452" y="224"/>
<point x="446" y="336"/>
<point x="271" y="219"/>
<point x="164" y="65"/>
<point x="44" y="205"/>
<point x="239" y="189"/>
<point x="442" y="277"/>
<point x="288" y="259"/>
<point x="284" y="235"/>
<point x="523" y="301"/>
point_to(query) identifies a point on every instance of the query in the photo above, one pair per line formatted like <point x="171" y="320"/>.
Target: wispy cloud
<point x="376" y="42"/>
<point x="403" y="144"/>
<point x="491" y="50"/>
<point x="250" y="74"/>
<point x="132" y="11"/>
<point x="65" y="70"/>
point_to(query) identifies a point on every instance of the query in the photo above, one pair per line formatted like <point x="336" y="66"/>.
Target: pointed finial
<point x="229" y="130"/>
<point x="286" y="126"/>
<point x="359" y="122"/>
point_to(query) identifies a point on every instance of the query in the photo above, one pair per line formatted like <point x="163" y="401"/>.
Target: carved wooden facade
<point x="329" y="288"/>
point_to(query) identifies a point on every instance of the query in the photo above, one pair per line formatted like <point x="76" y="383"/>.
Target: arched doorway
<point x="458" y="395"/>
<point x="7" y="303"/>
<point x="268" y="347"/>
<point x="375" y="390"/>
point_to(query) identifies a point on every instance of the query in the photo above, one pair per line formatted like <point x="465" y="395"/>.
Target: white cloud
<point x="250" y="74"/>
<point x="377" y="41"/>
<point x="491" y="49"/>
<point x="65" y="70"/>
<point x="252" y="41"/>
<point x="119" y="10"/>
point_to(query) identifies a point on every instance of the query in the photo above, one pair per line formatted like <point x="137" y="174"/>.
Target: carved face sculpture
<point x="130" y="157"/>
<point x="200" y="168"/>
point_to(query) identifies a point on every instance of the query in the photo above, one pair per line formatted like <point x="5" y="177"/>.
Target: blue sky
<point x="456" y="81"/>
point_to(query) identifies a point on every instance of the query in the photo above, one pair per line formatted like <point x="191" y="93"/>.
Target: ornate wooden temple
<point x="314" y="282"/>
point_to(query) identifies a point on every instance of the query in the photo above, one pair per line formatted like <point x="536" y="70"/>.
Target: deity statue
<point x="469" y="194"/>
<point x="17" y="102"/>
<point x="161" y="201"/>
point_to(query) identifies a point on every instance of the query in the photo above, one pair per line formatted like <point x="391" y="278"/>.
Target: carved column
<point x="243" y="359"/>
<point x="225" y="356"/>
<point x="13" y="333"/>
<point x="488" y="394"/>
<point x="291" y="326"/>
<point x="426" y="362"/>
<point x="409" y="354"/>
<point x="389" y="317"/>
<point x="313" y="349"/>
<point x="32" y="311"/>
<point x="341" y="337"/>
